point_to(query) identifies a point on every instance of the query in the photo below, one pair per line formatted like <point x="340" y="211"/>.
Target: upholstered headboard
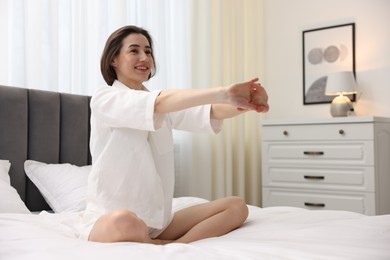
<point x="44" y="126"/>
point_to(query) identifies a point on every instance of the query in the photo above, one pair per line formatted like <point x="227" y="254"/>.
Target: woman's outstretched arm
<point x="247" y="95"/>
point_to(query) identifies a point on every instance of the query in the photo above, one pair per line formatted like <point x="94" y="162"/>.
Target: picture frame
<point x="326" y="50"/>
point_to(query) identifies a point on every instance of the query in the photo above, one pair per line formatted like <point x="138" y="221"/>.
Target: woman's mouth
<point x="142" y="68"/>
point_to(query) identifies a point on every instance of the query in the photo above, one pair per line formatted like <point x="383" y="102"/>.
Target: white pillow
<point x="185" y="202"/>
<point x="4" y="168"/>
<point x="10" y="201"/>
<point x="63" y="186"/>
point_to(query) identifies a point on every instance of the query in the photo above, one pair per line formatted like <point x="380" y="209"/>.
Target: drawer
<point x="324" y="178"/>
<point x="340" y="153"/>
<point x="356" y="131"/>
<point x="357" y="202"/>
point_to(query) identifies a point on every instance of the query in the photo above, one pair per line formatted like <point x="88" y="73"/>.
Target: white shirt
<point x="132" y="152"/>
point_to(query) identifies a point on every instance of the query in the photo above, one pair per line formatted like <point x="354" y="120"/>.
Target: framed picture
<point x="326" y="50"/>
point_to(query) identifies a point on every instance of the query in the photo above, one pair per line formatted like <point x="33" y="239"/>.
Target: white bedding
<point x="269" y="233"/>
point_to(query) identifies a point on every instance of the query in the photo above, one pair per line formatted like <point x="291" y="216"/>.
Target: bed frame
<point x="45" y="126"/>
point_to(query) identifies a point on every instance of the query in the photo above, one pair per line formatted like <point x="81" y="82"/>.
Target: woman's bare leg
<point x="209" y="219"/>
<point x="119" y="226"/>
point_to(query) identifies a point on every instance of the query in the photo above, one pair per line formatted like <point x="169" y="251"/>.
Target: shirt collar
<point x="120" y="85"/>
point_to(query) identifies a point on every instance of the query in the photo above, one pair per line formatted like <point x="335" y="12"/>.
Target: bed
<point x="44" y="165"/>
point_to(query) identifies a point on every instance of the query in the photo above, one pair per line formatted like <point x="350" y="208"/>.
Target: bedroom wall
<point x="284" y="22"/>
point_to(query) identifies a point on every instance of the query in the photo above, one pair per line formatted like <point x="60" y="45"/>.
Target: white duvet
<point x="269" y="233"/>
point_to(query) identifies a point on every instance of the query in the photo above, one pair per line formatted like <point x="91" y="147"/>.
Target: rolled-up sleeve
<point x="123" y="107"/>
<point x="195" y="119"/>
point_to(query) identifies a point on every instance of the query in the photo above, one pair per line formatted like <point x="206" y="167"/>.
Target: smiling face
<point x="134" y="63"/>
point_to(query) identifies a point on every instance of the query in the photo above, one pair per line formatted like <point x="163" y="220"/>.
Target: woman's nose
<point x="144" y="56"/>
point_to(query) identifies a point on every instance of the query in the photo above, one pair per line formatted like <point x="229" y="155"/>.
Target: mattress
<point x="268" y="233"/>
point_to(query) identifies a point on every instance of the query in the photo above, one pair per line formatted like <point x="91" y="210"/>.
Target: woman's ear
<point x="113" y="63"/>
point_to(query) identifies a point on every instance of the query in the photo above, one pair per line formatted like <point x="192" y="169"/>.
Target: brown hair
<point x="113" y="47"/>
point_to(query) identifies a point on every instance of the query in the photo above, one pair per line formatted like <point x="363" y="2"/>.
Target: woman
<point x="130" y="187"/>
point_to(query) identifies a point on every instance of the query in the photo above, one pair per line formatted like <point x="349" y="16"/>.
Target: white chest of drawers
<point x="333" y="163"/>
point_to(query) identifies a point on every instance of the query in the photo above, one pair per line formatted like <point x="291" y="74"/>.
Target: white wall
<point x="284" y="22"/>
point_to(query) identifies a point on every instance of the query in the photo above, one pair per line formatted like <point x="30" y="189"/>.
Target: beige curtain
<point x="227" y="48"/>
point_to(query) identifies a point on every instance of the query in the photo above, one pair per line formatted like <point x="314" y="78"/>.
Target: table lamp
<point x="340" y="84"/>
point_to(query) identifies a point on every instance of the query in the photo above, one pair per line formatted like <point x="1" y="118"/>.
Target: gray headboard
<point x="44" y="126"/>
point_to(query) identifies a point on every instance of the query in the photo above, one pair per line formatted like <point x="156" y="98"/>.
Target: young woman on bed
<point x="130" y="187"/>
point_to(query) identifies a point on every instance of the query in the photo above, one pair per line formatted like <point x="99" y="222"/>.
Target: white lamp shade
<point x="341" y="83"/>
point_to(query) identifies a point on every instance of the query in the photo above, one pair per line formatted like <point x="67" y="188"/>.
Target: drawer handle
<point x="341" y="131"/>
<point x="285" y="133"/>
<point x="314" y="177"/>
<point x="317" y="205"/>
<point x="313" y="153"/>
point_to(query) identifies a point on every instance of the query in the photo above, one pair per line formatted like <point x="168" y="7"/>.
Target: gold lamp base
<point x="340" y="106"/>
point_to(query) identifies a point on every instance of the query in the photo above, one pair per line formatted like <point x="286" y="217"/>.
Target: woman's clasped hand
<point x="249" y="95"/>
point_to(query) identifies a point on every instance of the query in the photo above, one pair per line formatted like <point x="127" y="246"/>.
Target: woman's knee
<point x="118" y="226"/>
<point x="239" y="209"/>
<point x="129" y="226"/>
